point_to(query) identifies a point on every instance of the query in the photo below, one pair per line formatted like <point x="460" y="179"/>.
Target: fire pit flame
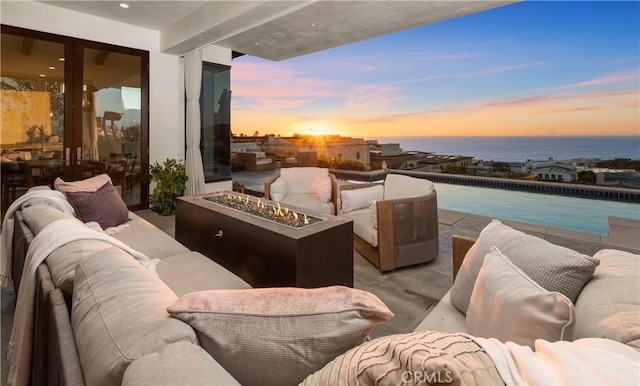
<point x="261" y="209"/>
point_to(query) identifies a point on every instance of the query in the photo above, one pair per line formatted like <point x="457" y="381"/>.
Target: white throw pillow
<point x="324" y="189"/>
<point x="553" y="267"/>
<point x="278" y="189"/>
<point x="360" y="198"/>
<point x="399" y="186"/>
<point x="508" y="305"/>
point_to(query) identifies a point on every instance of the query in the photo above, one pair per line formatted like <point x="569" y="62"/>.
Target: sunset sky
<point x="531" y="68"/>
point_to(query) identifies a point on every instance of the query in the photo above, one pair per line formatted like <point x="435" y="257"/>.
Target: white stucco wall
<point x="166" y="80"/>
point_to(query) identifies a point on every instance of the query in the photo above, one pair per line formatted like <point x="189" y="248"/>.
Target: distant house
<point x="556" y="172"/>
<point x="435" y="162"/>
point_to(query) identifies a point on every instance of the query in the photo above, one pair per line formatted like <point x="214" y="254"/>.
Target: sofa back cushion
<point x="554" y="267"/>
<point x="400" y="186"/>
<point x="39" y="216"/>
<point x="119" y="315"/>
<point x="609" y="304"/>
<point x="303" y="180"/>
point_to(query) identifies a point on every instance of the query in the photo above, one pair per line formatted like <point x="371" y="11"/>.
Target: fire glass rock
<point x="277" y="213"/>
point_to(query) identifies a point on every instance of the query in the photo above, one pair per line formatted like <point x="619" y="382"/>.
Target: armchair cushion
<point x="303" y="180"/>
<point x="360" y="198"/>
<point x="278" y="190"/>
<point x="324" y="189"/>
<point x="400" y="186"/>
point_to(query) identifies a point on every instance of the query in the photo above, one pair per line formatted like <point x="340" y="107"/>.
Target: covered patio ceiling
<point x="273" y="29"/>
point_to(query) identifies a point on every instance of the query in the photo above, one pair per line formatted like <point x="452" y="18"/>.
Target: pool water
<point x="573" y="213"/>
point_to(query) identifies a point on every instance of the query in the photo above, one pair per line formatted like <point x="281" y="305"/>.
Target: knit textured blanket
<point x="587" y="361"/>
<point x="53" y="236"/>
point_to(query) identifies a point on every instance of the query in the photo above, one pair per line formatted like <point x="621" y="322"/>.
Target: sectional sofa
<point x="103" y="317"/>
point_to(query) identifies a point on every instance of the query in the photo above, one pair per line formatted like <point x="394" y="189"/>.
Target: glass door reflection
<point x="112" y="120"/>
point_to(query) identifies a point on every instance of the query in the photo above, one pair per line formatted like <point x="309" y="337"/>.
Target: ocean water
<point x="515" y="149"/>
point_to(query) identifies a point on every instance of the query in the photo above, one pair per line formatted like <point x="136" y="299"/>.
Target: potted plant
<point x="170" y="179"/>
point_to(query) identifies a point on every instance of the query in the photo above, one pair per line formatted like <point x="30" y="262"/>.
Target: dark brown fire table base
<point x="265" y="253"/>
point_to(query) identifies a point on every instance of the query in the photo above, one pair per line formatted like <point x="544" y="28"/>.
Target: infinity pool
<point x="578" y="214"/>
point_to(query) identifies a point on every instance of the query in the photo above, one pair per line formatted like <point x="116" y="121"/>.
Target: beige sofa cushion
<point x="180" y="363"/>
<point x="424" y="358"/>
<point x="553" y="267"/>
<point x="192" y="271"/>
<point x="278" y="336"/>
<point x="507" y="305"/>
<point x="119" y="315"/>
<point x="444" y="317"/>
<point x="39" y="216"/>
<point x="144" y="237"/>
<point x="609" y="305"/>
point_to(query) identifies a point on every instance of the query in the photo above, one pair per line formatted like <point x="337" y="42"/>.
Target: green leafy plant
<point x="170" y="178"/>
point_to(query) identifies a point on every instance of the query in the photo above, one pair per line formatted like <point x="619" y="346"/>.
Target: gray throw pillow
<point x="104" y="206"/>
<point x="553" y="267"/>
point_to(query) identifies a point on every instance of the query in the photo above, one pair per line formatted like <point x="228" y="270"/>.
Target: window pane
<point x="32" y="113"/>
<point x="215" y="107"/>
<point x="111" y="119"/>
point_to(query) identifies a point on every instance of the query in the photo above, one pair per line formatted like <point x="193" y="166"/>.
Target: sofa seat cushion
<point x="609" y="304"/>
<point x="554" y="268"/>
<point x="143" y="236"/>
<point x="362" y="225"/>
<point x="119" y="315"/>
<point x="309" y="201"/>
<point x="180" y="363"/>
<point x="423" y="358"/>
<point x="444" y="317"/>
<point x="192" y="271"/>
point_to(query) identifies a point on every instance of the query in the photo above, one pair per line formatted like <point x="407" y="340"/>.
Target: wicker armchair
<point x="396" y="232"/>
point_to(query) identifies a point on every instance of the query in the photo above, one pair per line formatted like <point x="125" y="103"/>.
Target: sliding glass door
<point x="73" y="109"/>
<point x="113" y="117"/>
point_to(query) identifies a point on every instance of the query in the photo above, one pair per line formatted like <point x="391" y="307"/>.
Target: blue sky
<point x="530" y="68"/>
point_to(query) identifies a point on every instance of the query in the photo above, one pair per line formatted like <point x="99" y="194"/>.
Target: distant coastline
<point x="521" y="148"/>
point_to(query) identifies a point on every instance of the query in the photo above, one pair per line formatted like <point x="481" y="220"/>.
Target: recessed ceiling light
<point x="52" y="68"/>
<point x="279" y="35"/>
<point x="256" y="43"/>
<point x="61" y="59"/>
<point x="42" y="75"/>
<point x="314" y="25"/>
<point x="124" y="5"/>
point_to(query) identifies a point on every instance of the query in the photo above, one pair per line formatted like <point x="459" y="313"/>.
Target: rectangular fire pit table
<point x="266" y="253"/>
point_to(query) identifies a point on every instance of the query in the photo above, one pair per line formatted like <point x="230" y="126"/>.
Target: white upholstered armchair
<point x="395" y="224"/>
<point x="305" y="187"/>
